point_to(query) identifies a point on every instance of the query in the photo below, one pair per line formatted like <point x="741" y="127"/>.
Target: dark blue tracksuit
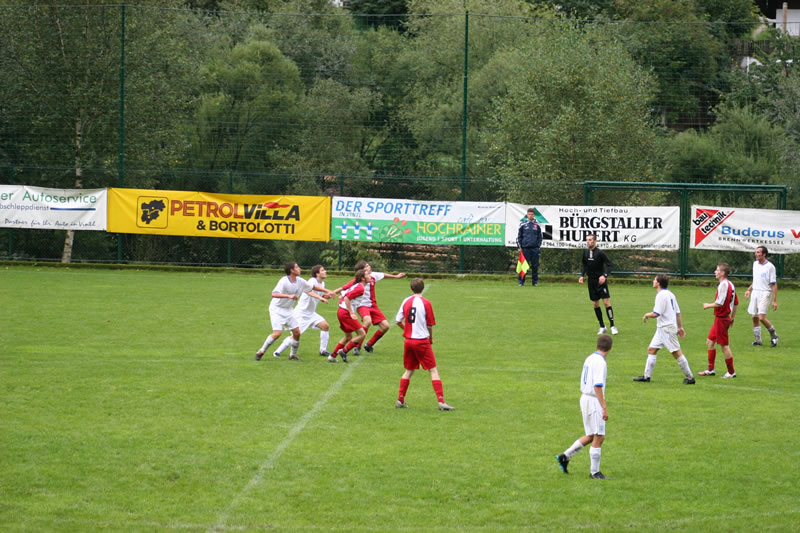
<point x="529" y="239"/>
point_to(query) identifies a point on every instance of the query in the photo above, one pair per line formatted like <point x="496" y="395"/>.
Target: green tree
<point x="374" y="13"/>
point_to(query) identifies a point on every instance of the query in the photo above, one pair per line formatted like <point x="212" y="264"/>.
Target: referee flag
<point x="522" y="266"/>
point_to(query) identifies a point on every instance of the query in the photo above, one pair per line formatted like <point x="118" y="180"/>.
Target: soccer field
<point x="131" y="401"/>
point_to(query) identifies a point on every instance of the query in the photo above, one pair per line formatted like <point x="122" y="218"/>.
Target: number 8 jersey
<point x="418" y="314"/>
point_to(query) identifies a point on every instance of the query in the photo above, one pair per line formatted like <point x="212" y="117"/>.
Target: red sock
<point x="339" y="346"/>
<point x="375" y="338"/>
<point x="404" y="383"/>
<point x="729" y="363"/>
<point x="437" y="388"/>
<point x="712" y="356"/>
<point x="349" y="346"/>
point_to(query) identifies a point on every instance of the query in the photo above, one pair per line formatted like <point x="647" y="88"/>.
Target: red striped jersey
<point x="726" y="298"/>
<point x="418" y="315"/>
<point x="352" y="294"/>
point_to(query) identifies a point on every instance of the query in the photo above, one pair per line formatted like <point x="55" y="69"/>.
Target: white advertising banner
<point x="739" y="229"/>
<point x="620" y="228"/>
<point x="38" y="208"/>
<point x="417" y="221"/>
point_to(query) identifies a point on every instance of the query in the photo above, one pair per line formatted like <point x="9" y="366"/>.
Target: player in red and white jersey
<point x="348" y="319"/>
<point x="367" y="306"/>
<point x="416" y="318"/>
<point x="764" y="287"/>
<point x="724" y="306"/>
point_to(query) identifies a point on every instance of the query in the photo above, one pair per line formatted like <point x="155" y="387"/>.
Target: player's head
<point x="761" y="253"/>
<point x="591" y="240"/>
<point x="417" y="285"/>
<point x="662" y="280"/>
<point x="531" y="213"/>
<point x="363" y="264"/>
<point x="723" y="269"/>
<point x="604" y="343"/>
<point x="288" y="267"/>
<point x="361" y="275"/>
<point x="319" y="270"/>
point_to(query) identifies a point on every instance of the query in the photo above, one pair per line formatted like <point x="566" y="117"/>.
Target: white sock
<point x="684" y="364"/>
<point x="594" y="457"/>
<point x="295" y="345"/>
<point x="284" y="345"/>
<point x="266" y="344"/>
<point x="574" y="449"/>
<point x="757" y="333"/>
<point x="324" y="337"/>
<point x="650" y="365"/>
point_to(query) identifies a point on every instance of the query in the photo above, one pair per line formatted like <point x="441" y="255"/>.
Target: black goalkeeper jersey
<point x="595" y="263"/>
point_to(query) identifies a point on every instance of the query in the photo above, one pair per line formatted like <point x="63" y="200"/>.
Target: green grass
<point x="131" y="402"/>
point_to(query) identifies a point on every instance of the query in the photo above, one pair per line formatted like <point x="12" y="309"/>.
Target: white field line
<point x="223" y="517"/>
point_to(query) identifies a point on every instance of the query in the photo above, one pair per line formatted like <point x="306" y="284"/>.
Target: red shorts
<point x="346" y="322"/>
<point x="719" y="331"/>
<point x="418" y="352"/>
<point x="373" y="313"/>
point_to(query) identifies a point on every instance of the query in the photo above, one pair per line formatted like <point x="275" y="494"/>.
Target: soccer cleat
<point x="400" y="405"/>
<point x="598" y="475"/>
<point x="756" y="343"/>
<point x="773" y="342"/>
<point x="276" y="354"/>
<point x="444" y="406"/>
<point x="357" y="350"/>
<point x="293" y="358"/>
<point x="602" y="331"/>
<point x="614" y="330"/>
<point x="343" y="356"/>
<point x="331" y="359"/>
<point x="642" y="379"/>
<point x="711" y="372"/>
<point x="369" y="348"/>
<point x="562" y="462"/>
<point x="688" y="381"/>
<point x="728" y="375"/>
<point x="259" y="354"/>
<point x="325" y="353"/>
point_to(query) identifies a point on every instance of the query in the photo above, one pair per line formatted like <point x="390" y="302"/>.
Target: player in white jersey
<point x="593" y="408"/>
<point x="307" y="316"/>
<point x="281" y="312"/>
<point x="764" y="288"/>
<point x="668" y="327"/>
<point x="416" y="318"/>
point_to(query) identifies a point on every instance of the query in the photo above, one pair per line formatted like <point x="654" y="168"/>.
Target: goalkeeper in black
<point x="596" y="265"/>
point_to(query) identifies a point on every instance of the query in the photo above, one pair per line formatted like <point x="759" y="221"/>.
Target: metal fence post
<point x="10" y="230"/>
<point x="464" y="131"/>
<point x="121" y="167"/>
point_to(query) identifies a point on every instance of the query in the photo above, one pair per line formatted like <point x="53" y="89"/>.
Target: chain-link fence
<point x="516" y="106"/>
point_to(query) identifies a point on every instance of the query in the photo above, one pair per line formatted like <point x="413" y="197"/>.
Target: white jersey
<point x="763" y="276"/>
<point x="418" y="315"/>
<point x="307" y="303"/>
<point x="594" y="374"/>
<point x="666" y="307"/>
<point x="287" y="286"/>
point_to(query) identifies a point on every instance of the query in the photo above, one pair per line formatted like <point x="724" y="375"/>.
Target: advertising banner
<point x="200" y="214"/>
<point x="625" y="227"/>
<point x="417" y="221"/>
<point x="38" y="208"/>
<point x="739" y="229"/>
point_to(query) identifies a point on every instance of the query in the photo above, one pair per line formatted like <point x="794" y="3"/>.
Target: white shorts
<point x="309" y="320"/>
<point x="593" y="423"/>
<point x="759" y="302"/>
<point x="666" y="337"/>
<point x="282" y="318"/>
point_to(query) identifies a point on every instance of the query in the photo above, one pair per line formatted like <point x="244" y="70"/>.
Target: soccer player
<point x="367" y="306"/>
<point x="724" y="307"/>
<point x="529" y="240"/>
<point x="348" y="319"/>
<point x="417" y="312"/>
<point x="281" y="314"/>
<point x="307" y="316"/>
<point x="668" y="327"/>
<point x="764" y="285"/>
<point x="596" y="263"/>
<point x="594" y="409"/>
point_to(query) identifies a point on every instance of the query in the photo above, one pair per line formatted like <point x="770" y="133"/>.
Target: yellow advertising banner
<point x="200" y="214"/>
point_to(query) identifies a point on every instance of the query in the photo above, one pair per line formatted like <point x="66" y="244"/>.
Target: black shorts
<point x="597" y="291"/>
